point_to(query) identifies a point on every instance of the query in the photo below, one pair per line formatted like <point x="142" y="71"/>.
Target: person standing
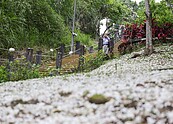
<point x="106" y="40"/>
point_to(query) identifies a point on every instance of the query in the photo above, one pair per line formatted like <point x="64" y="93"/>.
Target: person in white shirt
<point x="106" y="40"/>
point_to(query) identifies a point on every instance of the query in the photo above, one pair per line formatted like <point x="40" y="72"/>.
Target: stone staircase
<point x="69" y="64"/>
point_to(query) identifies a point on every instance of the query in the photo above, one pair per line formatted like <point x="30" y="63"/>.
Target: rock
<point x="65" y="94"/>
<point x="136" y="55"/>
<point x="98" y="99"/>
<point x="85" y="93"/>
<point x="139" y="85"/>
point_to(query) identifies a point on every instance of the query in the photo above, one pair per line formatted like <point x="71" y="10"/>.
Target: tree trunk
<point x="149" y="44"/>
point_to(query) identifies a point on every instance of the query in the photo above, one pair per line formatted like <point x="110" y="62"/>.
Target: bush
<point x="3" y="74"/>
<point x="94" y="61"/>
<point x="84" y="38"/>
<point x="31" y="23"/>
<point x="18" y="71"/>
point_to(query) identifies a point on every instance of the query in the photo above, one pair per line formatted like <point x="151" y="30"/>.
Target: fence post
<point x="38" y="57"/>
<point x="91" y="49"/>
<point x="111" y="45"/>
<point x="62" y="49"/>
<point x="100" y="44"/>
<point x="31" y="55"/>
<point x="77" y="47"/>
<point x="51" y="53"/>
<point x="11" y="59"/>
<point x="58" y="59"/>
<point x="27" y="54"/>
<point x="10" y="56"/>
<point x="81" y="59"/>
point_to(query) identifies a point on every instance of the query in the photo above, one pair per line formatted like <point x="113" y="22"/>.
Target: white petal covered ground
<point x="139" y="92"/>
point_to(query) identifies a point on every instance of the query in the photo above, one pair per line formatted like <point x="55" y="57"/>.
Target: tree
<point x="28" y="23"/>
<point x="170" y="4"/>
<point x="161" y="12"/>
<point x="91" y="12"/>
<point x="131" y="9"/>
<point x="149" y="45"/>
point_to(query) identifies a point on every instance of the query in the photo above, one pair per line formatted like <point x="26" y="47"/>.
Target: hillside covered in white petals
<point x="138" y="91"/>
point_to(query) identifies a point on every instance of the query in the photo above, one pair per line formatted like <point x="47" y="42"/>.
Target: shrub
<point x="135" y="31"/>
<point x="94" y="61"/>
<point x="84" y="38"/>
<point x="18" y="71"/>
<point x="3" y="74"/>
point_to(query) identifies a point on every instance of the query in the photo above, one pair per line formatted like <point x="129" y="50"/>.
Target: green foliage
<point x="47" y="21"/>
<point x="84" y="38"/>
<point x="90" y="12"/>
<point x="29" y="23"/>
<point x="3" y="74"/>
<point x="127" y="10"/>
<point x="94" y="61"/>
<point x="64" y="8"/>
<point x="160" y="11"/>
<point x="17" y="71"/>
<point x="165" y="15"/>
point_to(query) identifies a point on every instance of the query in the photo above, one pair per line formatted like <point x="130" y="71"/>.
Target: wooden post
<point x="91" y="49"/>
<point x="38" y="57"/>
<point x="82" y="50"/>
<point x="27" y="54"/>
<point x="58" y="59"/>
<point x="9" y="71"/>
<point x="31" y="55"/>
<point x="81" y="59"/>
<point x="100" y="44"/>
<point x="11" y="59"/>
<point x="111" y="45"/>
<point x="11" y="56"/>
<point x="77" y="47"/>
<point x="116" y="36"/>
<point x="28" y="57"/>
<point x="62" y="49"/>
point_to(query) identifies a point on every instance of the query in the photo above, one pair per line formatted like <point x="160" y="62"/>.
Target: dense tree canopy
<point x="27" y="23"/>
<point x="162" y="11"/>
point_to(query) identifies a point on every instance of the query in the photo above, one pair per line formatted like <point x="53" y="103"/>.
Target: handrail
<point x="70" y="54"/>
<point x="42" y="55"/>
<point x="30" y="56"/>
<point x="3" y="59"/>
<point x="4" y="49"/>
<point x="143" y="39"/>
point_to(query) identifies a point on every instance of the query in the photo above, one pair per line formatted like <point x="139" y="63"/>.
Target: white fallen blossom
<point x="138" y="92"/>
